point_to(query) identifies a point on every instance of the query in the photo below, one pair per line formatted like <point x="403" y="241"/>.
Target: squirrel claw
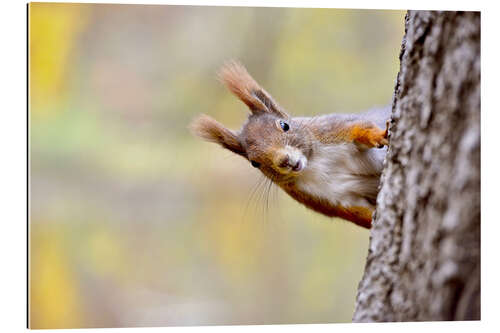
<point x="383" y="142"/>
<point x="379" y="138"/>
<point x="387" y="124"/>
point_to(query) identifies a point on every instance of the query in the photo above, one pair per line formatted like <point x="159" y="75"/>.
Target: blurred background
<point x="133" y="222"/>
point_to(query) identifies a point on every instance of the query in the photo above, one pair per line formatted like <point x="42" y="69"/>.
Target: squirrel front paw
<point x="379" y="141"/>
<point x="370" y="135"/>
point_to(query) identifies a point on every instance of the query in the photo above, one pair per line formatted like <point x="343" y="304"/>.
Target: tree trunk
<point x="424" y="256"/>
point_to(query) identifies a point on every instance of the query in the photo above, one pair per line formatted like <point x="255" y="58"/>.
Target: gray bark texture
<point x="424" y="256"/>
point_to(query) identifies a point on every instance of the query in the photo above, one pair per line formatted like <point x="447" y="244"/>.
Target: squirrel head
<point x="270" y="139"/>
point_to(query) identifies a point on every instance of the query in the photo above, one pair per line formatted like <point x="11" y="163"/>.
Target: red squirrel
<point x="325" y="162"/>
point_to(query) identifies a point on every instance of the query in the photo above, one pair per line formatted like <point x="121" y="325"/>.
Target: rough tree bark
<point x="424" y="255"/>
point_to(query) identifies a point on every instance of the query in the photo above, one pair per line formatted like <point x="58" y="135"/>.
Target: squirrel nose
<point x="285" y="161"/>
<point x="290" y="159"/>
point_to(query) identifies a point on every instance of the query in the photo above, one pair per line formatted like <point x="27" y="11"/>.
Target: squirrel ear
<point x="210" y="130"/>
<point x="241" y="84"/>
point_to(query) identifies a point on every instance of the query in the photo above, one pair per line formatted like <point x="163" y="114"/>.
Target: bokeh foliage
<point x="133" y="222"/>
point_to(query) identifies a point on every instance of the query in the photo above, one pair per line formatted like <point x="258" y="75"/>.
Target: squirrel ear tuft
<point x="237" y="79"/>
<point x="211" y="130"/>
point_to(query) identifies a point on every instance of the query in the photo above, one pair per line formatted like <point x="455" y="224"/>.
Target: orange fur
<point x="368" y="135"/>
<point x="242" y="85"/>
<point x="361" y="216"/>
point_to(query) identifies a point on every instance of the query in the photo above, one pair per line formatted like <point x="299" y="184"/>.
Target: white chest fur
<point x="343" y="174"/>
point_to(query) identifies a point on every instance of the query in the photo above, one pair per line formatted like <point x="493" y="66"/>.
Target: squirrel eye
<point x="255" y="164"/>
<point x="284" y="126"/>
